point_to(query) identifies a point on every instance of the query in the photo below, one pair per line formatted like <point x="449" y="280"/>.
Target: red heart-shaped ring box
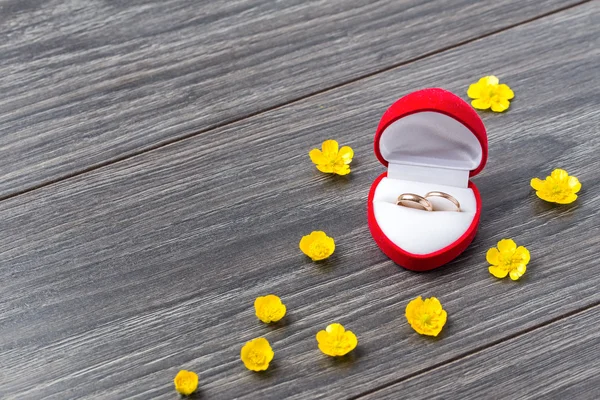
<point x="429" y="140"/>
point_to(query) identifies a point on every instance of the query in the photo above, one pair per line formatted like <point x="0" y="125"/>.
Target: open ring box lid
<point x="429" y="140"/>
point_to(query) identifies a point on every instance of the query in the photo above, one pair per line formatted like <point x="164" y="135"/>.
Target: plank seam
<point x="284" y="104"/>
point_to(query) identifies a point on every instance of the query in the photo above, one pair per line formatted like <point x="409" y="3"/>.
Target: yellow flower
<point x="426" y="317"/>
<point x="257" y="354"/>
<point x="488" y="93"/>
<point x="269" y="308"/>
<point x="559" y="187"/>
<point x="336" y="341"/>
<point x="508" y="259"/>
<point x="331" y="160"/>
<point x="186" y="382"/>
<point x="318" y="246"/>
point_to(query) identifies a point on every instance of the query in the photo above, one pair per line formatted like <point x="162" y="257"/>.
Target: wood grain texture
<point x="558" y="361"/>
<point x="113" y="280"/>
<point x="87" y="81"/>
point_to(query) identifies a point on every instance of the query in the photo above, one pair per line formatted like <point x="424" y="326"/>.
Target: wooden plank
<point x="558" y="361"/>
<point x="84" y="82"/>
<point x="113" y="280"/>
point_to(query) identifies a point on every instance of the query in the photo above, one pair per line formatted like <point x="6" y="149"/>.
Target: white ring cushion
<point x="418" y="231"/>
<point x="426" y="152"/>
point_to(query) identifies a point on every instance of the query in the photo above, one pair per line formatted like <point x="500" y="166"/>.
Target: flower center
<point x="557" y="190"/>
<point x="269" y="311"/>
<point x="507" y="261"/>
<point x="319" y="249"/>
<point x="338" y="343"/>
<point x="330" y="157"/>
<point x="256" y="357"/>
<point x="426" y="319"/>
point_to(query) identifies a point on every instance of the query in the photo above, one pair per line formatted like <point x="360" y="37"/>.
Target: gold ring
<point x="445" y="196"/>
<point x="411" y="200"/>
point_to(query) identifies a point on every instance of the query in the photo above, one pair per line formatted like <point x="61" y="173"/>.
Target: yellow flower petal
<point x="545" y="196"/>
<point x="335" y="329"/>
<point x="489" y="80"/>
<point x="346" y="153"/>
<point x="574" y="184"/>
<point x="186" y="382"/>
<point x="318" y="235"/>
<point x="515" y="274"/>
<point x="350" y="342"/>
<point x="474" y="91"/>
<point x="499" y="104"/>
<point x="567" y="200"/>
<point x="441" y="321"/>
<point x="413" y="306"/>
<point x="505" y="92"/>
<point x="257" y="354"/>
<point x="330" y="147"/>
<point x="317" y="157"/>
<point x="433" y="303"/>
<point x="559" y="174"/>
<point x="498" y="272"/>
<point x="507" y="246"/>
<point x="521" y="255"/>
<point x="481" y="104"/>
<point x="342" y="170"/>
<point x="328" y="169"/>
<point x="322" y="339"/>
<point x="305" y="243"/>
<point x="537" y="183"/>
<point x="493" y="256"/>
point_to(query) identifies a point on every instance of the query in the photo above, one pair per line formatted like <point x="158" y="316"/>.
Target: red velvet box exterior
<point x="444" y="102"/>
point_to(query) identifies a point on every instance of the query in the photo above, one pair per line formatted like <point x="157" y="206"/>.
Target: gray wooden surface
<point x="114" y="279"/>
<point x="559" y="361"/>
<point x="87" y="82"/>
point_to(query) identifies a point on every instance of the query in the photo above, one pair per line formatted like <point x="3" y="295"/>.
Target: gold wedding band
<point x="414" y="201"/>
<point x="445" y="196"/>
